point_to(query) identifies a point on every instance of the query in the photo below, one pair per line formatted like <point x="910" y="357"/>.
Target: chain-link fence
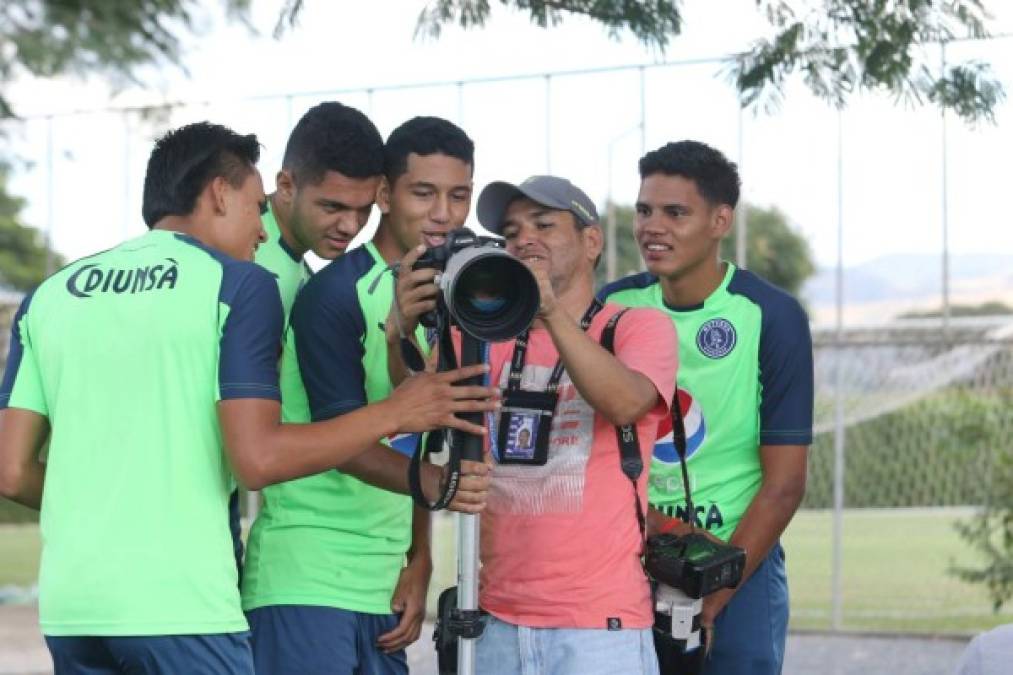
<point x="924" y="414"/>
<point x="910" y="425"/>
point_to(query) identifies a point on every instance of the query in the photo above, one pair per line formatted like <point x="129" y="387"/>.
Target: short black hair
<point x="425" y="136"/>
<point x="186" y="159"/>
<point x="716" y="178"/>
<point x="332" y="136"/>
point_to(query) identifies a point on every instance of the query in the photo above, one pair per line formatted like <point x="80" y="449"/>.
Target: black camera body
<point x="436" y="257"/>
<point x="694" y="564"/>
<point x="484" y="290"/>
<point x="685" y="569"/>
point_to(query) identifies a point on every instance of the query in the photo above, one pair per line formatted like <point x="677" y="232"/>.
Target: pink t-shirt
<point x="560" y="545"/>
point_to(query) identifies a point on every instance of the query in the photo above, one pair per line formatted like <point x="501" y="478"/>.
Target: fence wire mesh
<point x="924" y="413"/>
<point x="928" y="416"/>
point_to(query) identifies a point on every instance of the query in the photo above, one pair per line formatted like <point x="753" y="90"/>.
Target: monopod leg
<point x="467" y="585"/>
<point x="467" y="530"/>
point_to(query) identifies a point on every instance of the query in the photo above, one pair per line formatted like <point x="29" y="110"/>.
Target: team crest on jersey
<point x="716" y="338"/>
<point x="696" y="431"/>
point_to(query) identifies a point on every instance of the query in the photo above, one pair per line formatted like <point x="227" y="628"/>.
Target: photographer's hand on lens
<point x="548" y="296"/>
<point x="416" y="291"/>
<point x="428" y="401"/>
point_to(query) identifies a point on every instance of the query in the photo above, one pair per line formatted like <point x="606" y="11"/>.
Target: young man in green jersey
<point x="745" y="388"/>
<point x="152" y="369"/>
<point x="338" y="564"/>
<point x="331" y="170"/>
<point x="323" y="194"/>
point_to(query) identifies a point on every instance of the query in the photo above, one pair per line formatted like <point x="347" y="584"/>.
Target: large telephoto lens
<point x="492" y="295"/>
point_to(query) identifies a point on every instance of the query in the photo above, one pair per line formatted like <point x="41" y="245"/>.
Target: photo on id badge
<point x="524" y="427"/>
<point x="521" y="436"/>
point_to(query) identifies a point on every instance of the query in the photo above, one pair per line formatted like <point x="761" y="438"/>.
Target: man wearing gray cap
<point x="562" y="535"/>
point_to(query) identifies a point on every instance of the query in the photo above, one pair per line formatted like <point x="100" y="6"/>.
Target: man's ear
<point x="721" y="221"/>
<point x="219" y="190"/>
<point x="285" y="186"/>
<point x="594" y="239"/>
<point x="383" y="192"/>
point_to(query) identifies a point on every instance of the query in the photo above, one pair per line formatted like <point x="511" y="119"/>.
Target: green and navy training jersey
<point x="279" y="259"/>
<point x="290" y="272"/>
<point x="331" y="539"/>
<point x="126" y="353"/>
<point x="745" y="380"/>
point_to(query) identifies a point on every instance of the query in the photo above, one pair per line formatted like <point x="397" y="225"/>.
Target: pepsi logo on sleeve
<point x="696" y="431"/>
<point x="404" y="443"/>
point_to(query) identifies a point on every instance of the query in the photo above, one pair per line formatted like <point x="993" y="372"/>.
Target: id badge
<point x="524" y="426"/>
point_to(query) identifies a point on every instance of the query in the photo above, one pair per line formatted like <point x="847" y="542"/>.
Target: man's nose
<point x="648" y="224"/>
<point x="348" y="222"/>
<point x="440" y="211"/>
<point x="526" y="236"/>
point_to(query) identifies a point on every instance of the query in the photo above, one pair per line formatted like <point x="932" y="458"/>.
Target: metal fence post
<point x="836" y="601"/>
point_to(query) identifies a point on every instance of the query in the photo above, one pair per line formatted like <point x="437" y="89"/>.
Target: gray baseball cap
<point x="551" y="191"/>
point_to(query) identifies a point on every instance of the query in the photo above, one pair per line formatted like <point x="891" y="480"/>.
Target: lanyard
<point x="521" y="352"/>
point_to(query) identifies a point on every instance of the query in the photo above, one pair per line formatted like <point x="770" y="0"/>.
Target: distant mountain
<point x="910" y="277"/>
<point x="879" y="291"/>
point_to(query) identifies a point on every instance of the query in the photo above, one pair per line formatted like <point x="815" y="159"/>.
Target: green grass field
<point x="895" y="570"/>
<point x="895" y="576"/>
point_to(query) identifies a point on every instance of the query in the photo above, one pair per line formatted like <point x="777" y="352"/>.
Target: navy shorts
<point x="218" y="654"/>
<point x="750" y="632"/>
<point x="307" y="640"/>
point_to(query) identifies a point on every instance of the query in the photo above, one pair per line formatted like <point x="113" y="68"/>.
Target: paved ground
<point x="22" y="652"/>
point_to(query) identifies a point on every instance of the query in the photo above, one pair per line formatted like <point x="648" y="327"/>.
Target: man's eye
<point x="544" y="225"/>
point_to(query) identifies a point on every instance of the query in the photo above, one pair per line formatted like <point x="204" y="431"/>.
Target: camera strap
<point x="435" y="439"/>
<point x="524" y="430"/>
<point x="630" y="461"/>
<point x="521" y="352"/>
<point x="629" y="445"/>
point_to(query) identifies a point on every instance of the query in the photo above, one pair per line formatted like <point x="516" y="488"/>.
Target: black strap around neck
<point x="630" y="461"/>
<point x="521" y="352"/>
